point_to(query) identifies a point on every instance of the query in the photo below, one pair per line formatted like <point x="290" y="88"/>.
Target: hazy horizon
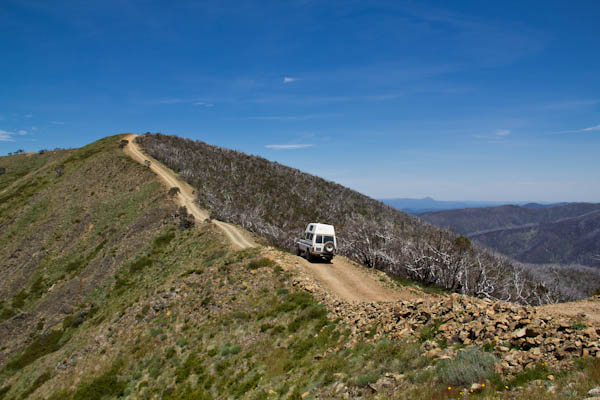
<point x="481" y="101"/>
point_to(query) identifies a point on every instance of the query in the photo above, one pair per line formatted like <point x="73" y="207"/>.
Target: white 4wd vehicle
<point x="318" y="241"/>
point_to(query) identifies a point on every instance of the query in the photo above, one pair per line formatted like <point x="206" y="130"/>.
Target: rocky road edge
<point x="520" y="336"/>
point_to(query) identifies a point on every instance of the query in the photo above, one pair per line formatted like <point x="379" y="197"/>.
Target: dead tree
<point x="59" y="170"/>
<point x="123" y="143"/>
<point x="174" y="191"/>
<point x="147" y="163"/>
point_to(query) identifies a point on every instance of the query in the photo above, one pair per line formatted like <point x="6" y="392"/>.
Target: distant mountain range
<point x="534" y="233"/>
<point x="426" y="204"/>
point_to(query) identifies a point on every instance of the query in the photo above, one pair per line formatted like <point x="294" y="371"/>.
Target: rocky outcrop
<point x="520" y="336"/>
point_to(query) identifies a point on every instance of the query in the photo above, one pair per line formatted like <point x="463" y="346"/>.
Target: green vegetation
<point x="470" y="366"/>
<point x="39" y="381"/>
<point x="40" y="346"/>
<point x="106" y="385"/>
<point x="156" y="311"/>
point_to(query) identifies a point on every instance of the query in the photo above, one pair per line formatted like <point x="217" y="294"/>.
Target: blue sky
<point x="461" y="100"/>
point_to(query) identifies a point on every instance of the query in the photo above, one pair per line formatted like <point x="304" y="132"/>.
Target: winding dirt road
<point x="342" y="277"/>
<point x="186" y="196"/>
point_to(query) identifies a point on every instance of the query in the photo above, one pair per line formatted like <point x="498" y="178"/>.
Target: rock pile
<point x="520" y="336"/>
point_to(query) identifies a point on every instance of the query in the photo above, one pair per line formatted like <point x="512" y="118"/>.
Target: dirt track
<point x="342" y="277"/>
<point x="186" y="197"/>
<point x="351" y="282"/>
<point x="591" y="309"/>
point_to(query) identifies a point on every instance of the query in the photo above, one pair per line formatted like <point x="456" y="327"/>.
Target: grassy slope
<point x="171" y="313"/>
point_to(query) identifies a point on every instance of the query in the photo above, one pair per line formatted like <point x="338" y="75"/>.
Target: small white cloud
<point x="22" y="132"/>
<point x="588" y="129"/>
<point x="6" y="136"/>
<point x="502" y="132"/>
<point x="203" y="104"/>
<point x="591" y="128"/>
<point x="28" y="115"/>
<point x="288" y="79"/>
<point x="57" y="122"/>
<point x="34" y="128"/>
<point x="287" y="146"/>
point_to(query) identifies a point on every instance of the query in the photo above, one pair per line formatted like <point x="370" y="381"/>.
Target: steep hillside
<point x="106" y="294"/>
<point x="110" y="291"/>
<point x="559" y="234"/>
<point x="276" y="202"/>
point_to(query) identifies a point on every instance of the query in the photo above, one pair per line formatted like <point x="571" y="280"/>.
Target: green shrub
<point x="140" y="264"/>
<point x="294" y="301"/>
<point x="186" y="393"/>
<point x="74" y="265"/>
<point x="192" y="365"/>
<point x="106" y="385"/>
<point x="41" y="346"/>
<point x="429" y="331"/>
<point x="261" y="263"/>
<point x="18" y="301"/>
<point x="365" y="379"/>
<point x="40" y="380"/>
<point x="277" y="329"/>
<point x="314" y="312"/>
<point x="579" y="326"/>
<point x="6" y="313"/>
<point x="538" y="372"/>
<point x="3" y="391"/>
<point x="469" y="366"/>
<point x="235" y="349"/>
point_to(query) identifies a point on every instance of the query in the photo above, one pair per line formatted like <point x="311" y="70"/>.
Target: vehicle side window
<point x="310" y="227"/>
<point x="328" y="239"/>
<point x="310" y="237"/>
<point x="319" y="239"/>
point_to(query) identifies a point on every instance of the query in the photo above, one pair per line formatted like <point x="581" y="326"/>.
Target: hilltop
<point x="111" y="289"/>
<point x="567" y="233"/>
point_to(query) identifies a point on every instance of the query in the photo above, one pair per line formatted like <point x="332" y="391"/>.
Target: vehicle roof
<point x="321" y="228"/>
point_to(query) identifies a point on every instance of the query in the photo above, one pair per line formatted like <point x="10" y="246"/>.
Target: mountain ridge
<point x="566" y="233"/>
<point x="113" y="292"/>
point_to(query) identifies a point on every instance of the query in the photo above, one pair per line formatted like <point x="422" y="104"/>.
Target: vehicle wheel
<point x="298" y="251"/>
<point x="309" y="257"/>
